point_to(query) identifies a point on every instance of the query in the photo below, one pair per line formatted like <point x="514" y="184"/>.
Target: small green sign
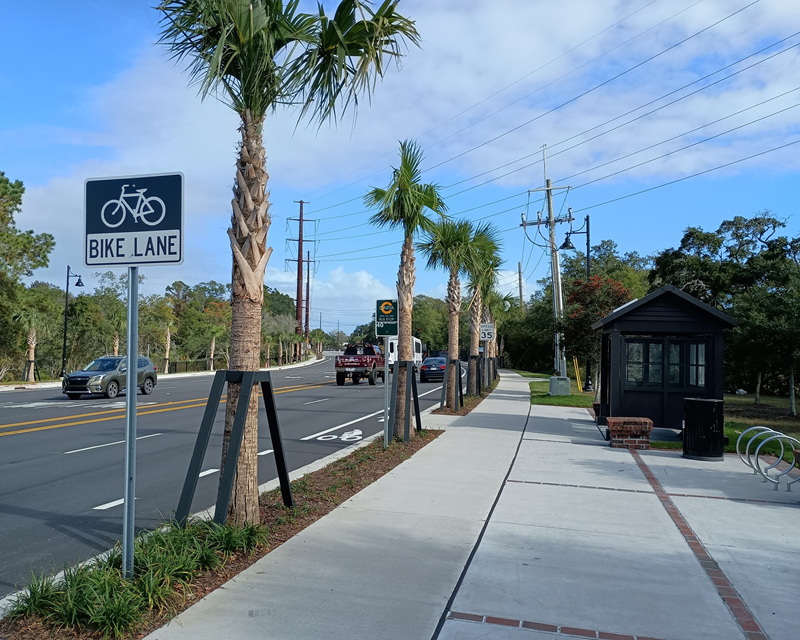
<point x="386" y="318"/>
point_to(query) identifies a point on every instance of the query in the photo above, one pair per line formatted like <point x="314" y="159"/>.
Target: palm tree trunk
<point x="213" y="345"/>
<point x="474" y="338"/>
<point x="280" y="352"/>
<point x="268" y="346"/>
<point x="116" y="343"/>
<point x="250" y="222"/>
<point x="454" y="307"/>
<point x="792" y="405"/>
<point x="406" y="277"/>
<point x="30" y="367"/>
<point x="167" y="345"/>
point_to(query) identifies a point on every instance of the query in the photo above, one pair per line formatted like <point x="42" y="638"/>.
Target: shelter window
<point x="644" y="363"/>
<point x="687" y="365"/>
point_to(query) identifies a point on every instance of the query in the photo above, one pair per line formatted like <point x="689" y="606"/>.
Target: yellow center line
<point x="138" y="413"/>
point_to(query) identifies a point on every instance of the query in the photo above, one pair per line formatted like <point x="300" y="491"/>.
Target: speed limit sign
<point x="487" y="331"/>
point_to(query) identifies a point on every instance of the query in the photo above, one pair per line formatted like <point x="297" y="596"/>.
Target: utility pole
<point x="299" y="306"/>
<point x="519" y="270"/>
<point x="301" y="220"/>
<point x="308" y="291"/>
<point x="560" y="360"/>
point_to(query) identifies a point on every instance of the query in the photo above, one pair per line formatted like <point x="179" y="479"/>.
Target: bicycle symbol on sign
<point x="150" y="210"/>
<point x="349" y="436"/>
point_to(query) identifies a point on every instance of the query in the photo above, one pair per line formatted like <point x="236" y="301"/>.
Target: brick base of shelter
<point x="630" y="433"/>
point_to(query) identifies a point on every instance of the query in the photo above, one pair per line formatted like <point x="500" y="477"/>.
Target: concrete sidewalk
<point x="514" y="526"/>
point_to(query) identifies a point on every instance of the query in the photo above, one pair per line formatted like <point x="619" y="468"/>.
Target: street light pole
<point x="568" y="245"/>
<point x="79" y="283"/>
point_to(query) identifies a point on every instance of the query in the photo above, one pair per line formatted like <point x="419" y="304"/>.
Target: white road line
<point x="346" y="424"/>
<point x="207" y="472"/>
<point x="108" y="444"/>
<point x="265" y="452"/>
<point x="315" y="401"/>
<point x="108" y="505"/>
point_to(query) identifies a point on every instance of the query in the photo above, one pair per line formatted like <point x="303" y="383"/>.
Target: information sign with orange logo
<point x="386" y="318"/>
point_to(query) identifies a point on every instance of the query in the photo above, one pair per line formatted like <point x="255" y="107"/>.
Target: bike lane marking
<point x="341" y="426"/>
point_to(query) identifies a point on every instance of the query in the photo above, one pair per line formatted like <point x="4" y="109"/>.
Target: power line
<point x="504" y="89"/>
<point x="594" y="88"/>
<point x="641" y="116"/>
<point x="664" y="155"/>
<point x="694" y="175"/>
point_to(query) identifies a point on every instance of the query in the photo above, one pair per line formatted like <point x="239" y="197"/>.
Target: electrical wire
<point x="641" y="116"/>
<point x="506" y="88"/>
<point x="592" y="89"/>
<point x="694" y="175"/>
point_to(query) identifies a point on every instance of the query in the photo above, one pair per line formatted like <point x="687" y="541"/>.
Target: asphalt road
<point x="62" y="461"/>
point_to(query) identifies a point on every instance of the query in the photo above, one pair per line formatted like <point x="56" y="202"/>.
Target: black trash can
<point x="703" y="431"/>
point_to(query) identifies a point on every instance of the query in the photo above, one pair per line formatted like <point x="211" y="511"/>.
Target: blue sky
<point x="93" y="95"/>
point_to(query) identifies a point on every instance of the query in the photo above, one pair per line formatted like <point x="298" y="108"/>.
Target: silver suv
<point x="108" y="375"/>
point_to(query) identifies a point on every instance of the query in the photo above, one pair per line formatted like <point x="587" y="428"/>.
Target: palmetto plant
<point x="256" y="55"/>
<point x="403" y="204"/>
<point x="456" y="246"/>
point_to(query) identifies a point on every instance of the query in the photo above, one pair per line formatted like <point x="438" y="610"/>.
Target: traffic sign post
<point x="487" y="335"/>
<point x="386" y="326"/>
<point x="133" y="221"/>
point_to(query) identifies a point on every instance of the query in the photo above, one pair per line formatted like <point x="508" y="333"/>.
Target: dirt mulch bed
<point x="759" y="412"/>
<point x="315" y="494"/>
<point x="470" y="402"/>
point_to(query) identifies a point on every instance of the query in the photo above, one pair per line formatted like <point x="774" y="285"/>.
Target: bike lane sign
<point x="133" y="221"/>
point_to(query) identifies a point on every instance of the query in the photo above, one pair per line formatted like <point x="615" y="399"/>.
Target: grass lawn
<point x="528" y="374"/>
<point x="540" y="394"/>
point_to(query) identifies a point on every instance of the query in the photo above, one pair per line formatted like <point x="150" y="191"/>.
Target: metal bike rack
<point x="752" y="450"/>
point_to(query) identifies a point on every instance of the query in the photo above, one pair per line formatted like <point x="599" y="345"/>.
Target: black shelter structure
<point x="657" y="351"/>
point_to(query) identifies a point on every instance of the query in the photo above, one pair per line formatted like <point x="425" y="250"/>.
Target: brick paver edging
<point x="739" y="610"/>
<point x="573" y="632"/>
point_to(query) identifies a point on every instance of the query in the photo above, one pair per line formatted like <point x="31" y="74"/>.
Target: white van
<point x="416" y="354"/>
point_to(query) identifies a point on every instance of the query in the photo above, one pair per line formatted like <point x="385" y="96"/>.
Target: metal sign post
<point x="386" y="326"/>
<point x="129" y="517"/>
<point x="487" y="335"/>
<point x="133" y="221"/>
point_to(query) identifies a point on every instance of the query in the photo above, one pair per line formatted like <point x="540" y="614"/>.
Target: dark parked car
<point x="108" y="375"/>
<point x="432" y="368"/>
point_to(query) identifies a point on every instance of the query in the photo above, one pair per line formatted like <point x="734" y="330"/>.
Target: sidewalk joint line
<point x="740" y="612"/>
<point x="580" y="486"/>
<point x="477" y="544"/>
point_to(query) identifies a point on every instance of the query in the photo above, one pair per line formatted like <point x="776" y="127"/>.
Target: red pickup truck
<point x="360" y="361"/>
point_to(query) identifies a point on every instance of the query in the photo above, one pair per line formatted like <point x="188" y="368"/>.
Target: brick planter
<point x="630" y="433"/>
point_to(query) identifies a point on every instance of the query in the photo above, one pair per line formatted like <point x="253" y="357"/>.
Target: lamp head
<point x="79" y="283"/>
<point x="567" y="246"/>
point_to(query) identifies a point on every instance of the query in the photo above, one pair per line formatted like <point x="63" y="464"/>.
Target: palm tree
<point x="455" y="246"/>
<point x="35" y="323"/>
<point x="482" y="278"/>
<point x="256" y="55"/>
<point x="402" y="205"/>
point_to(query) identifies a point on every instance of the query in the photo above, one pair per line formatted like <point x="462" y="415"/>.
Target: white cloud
<point x="451" y="94"/>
